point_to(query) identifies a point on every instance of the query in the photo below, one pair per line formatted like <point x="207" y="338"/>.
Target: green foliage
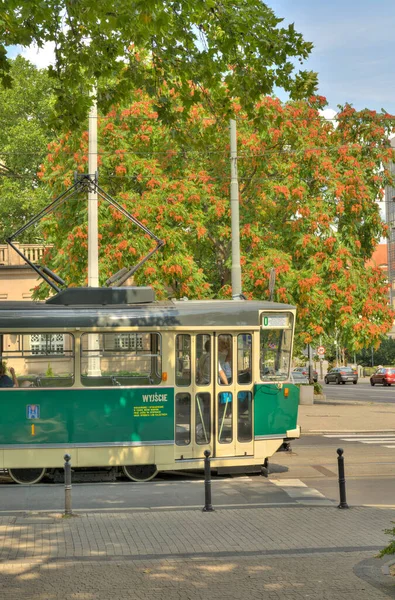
<point x="383" y="355"/>
<point x="368" y="371"/>
<point x="390" y="549"/>
<point x="24" y="134"/>
<point x="49" y="372"/>
<point x="317" y="388"/>
<point x="230" y="47"/>
<point x="308" y="208"/>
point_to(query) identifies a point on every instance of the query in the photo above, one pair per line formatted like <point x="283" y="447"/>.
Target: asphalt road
<point x="167" y="492"/>
<point x="312" y="463"/>
<point x="369" y="461"/>
<point x="362" y="392"/>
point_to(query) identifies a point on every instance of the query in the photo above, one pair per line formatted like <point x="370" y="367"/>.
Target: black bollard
<point x="265" y="468"/>
<point x="208" y="507"/>
<point x="342" y="479"/>
<point x="67" y="485"/>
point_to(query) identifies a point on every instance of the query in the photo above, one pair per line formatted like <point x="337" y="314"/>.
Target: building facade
<point x="17" y="279"/>
<point x="390" y="219"/>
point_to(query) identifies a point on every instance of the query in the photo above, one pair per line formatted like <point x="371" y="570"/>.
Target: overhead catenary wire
<point x="154" y="116"/>
<point x="119" y="152"/>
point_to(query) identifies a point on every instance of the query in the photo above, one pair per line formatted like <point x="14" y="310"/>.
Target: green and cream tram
<point x="121" y="381"/>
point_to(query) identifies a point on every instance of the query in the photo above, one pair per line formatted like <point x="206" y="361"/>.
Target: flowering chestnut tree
<point x="308" y="207"/>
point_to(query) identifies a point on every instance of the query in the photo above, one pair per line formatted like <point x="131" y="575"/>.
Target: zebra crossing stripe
<point x="359" y="435"/>
<point x="385" y="440"/>
<point x="298" y="491"/>
<point x="370" y="440"/>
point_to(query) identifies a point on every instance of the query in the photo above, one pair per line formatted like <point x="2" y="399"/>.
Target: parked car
<point x="305" y="371"/>
<point x="298" y="377"/>
<point x="342" y="375"/>
<point x="383" y="376"/>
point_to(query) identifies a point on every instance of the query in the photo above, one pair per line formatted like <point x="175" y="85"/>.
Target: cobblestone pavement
<point x="287" y="552"/>
<point x="291" y="577"/>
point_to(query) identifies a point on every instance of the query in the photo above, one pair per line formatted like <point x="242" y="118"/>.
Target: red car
<point x="384" y="375"/>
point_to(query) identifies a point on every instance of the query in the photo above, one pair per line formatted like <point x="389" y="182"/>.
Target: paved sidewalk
<point x="288" y="552"/>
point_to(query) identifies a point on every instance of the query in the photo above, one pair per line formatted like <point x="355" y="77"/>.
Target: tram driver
<point x="5" y="381"/>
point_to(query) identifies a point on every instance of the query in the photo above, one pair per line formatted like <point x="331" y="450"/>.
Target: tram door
<point x="233" y="408"/>
<point x="194" y="395"/>
<point x="214" y="395"/>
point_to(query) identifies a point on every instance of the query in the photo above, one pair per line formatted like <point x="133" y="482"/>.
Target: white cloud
<point x="328" y="113"/>
<point x="41" y="57"/>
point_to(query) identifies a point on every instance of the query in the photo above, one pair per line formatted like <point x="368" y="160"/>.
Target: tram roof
<point x="167" y="314"/>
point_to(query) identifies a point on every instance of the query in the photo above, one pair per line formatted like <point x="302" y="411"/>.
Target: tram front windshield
<point x="275" y="346"/>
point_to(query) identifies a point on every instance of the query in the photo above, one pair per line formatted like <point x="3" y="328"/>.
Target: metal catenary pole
<point x="311" y="377"/>
<point x="93" y="251"/>
<point x="321" y="358"/>
<point x="234" y="207"/>
<point x="93" y="227"/>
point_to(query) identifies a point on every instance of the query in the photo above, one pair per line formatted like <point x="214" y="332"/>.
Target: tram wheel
<point x="26" y="476"/>
<point x="140" y="472"/>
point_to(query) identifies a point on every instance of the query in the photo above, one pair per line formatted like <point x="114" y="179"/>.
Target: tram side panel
<point x="106" y="426"/>
<point x="275" y="417"/>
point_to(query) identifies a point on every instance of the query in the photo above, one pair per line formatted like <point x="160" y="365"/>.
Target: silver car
<point x="298" y="377"/>
<point x="342" y="375"/>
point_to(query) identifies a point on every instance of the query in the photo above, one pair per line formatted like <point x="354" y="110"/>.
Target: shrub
<point x="390" y="549"/>
<point x="317" y="388"/>
<point x="49" y="372"/>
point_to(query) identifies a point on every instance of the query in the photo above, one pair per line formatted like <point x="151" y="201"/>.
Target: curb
<point x="385" y="569"/>
<point x="376" y="574"/>
<point x="347" y="402"/>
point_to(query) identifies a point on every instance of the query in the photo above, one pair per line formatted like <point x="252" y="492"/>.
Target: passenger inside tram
<point x="5" y="380"/>
<point x="225" y="378"/>
<point x="204" y="364"/>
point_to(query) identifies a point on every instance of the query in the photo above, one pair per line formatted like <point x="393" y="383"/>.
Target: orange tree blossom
<point x="308" y="207"/>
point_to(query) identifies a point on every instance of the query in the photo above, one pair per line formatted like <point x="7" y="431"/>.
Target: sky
<point x="354" y="46"/>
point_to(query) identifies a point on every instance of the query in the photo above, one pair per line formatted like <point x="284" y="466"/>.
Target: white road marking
<point x="296" y="489"/>
<point x="359" y="435"/>
<point x="381" y="439"/>
<point x="369" y="441"/>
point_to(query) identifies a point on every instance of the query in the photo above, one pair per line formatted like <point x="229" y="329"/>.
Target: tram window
<point x="40" y="359"/>
<point x="123" y="358"/>
<point x="276" y="344"/>
<point x="225" y="359"/>
<point x="244" y="358"/>
<point x="183" y="359"/>
<point x="225" y="418"/>
<point x="183" y="419"/>
<point x="203" y="359"/>
<point x="244" y="416"/>
<point x="203" y="418"/>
